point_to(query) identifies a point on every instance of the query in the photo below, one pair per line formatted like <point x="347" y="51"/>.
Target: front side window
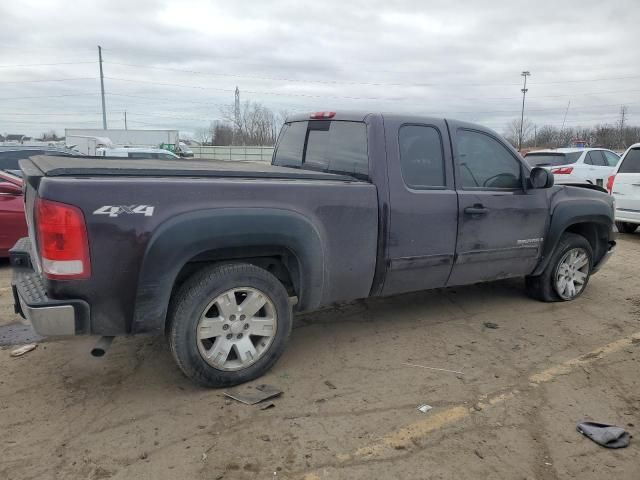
<point x="421" y="159"/>
<point x="484" y="163"/>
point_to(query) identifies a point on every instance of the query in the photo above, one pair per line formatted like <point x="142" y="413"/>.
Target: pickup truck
<point x="218" y="255"/>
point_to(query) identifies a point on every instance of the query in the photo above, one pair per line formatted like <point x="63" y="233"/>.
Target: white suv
<point x="624" y="185"/>
<point x="576" y="165"/>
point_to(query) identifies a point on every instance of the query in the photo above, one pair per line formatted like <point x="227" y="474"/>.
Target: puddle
<point x="18" y="334"/>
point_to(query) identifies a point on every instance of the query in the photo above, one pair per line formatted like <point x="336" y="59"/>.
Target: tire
<point x="549" y="286"/>
<point x="207" y="332"/>
<point x="626" y="227"/>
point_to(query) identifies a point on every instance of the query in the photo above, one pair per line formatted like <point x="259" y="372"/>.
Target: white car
<point x="137" y="152"/>
<point x="576" y="165"/>
<point x="624" y="185"/>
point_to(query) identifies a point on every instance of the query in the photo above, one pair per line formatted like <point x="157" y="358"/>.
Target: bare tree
<point x="512" y="131"/>
<point x="203" y="135"/>
<point x="257" y="124"/>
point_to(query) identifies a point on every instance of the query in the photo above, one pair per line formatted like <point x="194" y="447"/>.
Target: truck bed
<point x="52" y="166"/>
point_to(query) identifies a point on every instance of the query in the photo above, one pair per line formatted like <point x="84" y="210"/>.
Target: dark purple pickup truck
<point x="216" y="255"/>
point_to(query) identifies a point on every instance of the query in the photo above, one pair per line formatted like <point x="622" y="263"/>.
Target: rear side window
<point x="546" y="159"/>
<point x="331" y="146"/>
<point x="421" y="159"/>
<point x="595" y="157"/>
<point x="631" y="162"/>
<point x="612" y="158"/>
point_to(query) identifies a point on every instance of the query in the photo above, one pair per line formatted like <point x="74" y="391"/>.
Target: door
<point x="12" y="219"/>
<point x="423" y="205"/>
<point x="598" y="167"/>
<point x="626" y="187"/>
<point x="501" y="224"/>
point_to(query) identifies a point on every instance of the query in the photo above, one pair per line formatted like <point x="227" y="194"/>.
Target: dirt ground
<point x="348" y="410"/>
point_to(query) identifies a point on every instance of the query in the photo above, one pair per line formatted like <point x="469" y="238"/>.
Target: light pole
<point x="525" y="74"/>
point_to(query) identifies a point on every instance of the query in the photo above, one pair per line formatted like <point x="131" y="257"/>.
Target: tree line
<point x="255" y="125"/>
<point x="615" y="136"/>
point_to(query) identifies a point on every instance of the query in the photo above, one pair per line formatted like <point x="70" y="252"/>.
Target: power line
<point x="52" y="96"/>
<point x="342" y="82"/>
<point x="16" y="65"/>
<point x="49" y="80"/>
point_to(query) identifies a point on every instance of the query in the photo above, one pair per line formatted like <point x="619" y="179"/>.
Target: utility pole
<point x="525" y="74"/>
<point x="104" y="112"/>
<point x="125" y="120"/>
<point x="623" y="114"/>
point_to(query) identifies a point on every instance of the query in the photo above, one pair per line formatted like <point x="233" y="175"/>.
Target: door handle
<point x="477" y="209"/>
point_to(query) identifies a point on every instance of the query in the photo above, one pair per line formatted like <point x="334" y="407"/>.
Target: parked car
<point x="137" y="152"/>
<point x="624" y="185"/>
<point x="215" y="254"/>
<point x="576" y="165"/>
<point x="10" y="155"/>
<point x="13" y="225"/>
<point x="184" y="150"/>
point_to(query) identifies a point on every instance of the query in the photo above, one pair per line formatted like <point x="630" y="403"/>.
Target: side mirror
<point x="9" y="189"/>
<point x="540" y="178"/>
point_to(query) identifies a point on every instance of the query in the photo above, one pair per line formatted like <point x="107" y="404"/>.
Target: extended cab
<point x="216" y="255"/>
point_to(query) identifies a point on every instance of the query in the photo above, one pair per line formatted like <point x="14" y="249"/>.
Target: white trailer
<point x="87" y="145"/>
<point x="131" y="138"/>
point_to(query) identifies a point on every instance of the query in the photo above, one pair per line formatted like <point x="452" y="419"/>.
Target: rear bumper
<point x="47" y="316"/>
<point x="605" y="258"/>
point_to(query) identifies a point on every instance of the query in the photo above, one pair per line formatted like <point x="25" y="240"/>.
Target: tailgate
<point x="32" y="177"/>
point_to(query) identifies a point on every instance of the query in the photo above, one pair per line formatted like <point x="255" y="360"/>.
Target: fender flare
<point x="567" y="214"/>
<point x="184" y="237"/>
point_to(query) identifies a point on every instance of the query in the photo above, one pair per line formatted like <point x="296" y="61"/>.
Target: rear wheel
<point x="229" y="324"/>
<point x="567" y="274"/>
<point x="626" y="227"/>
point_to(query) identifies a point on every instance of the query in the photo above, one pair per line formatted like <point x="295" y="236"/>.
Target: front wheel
<point x="626" y="227"/>
<point x="228" y="324"/>
<point x="567" y="274"/>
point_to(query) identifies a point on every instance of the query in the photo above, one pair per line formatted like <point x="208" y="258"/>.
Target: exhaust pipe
<point x="101" y="347"/>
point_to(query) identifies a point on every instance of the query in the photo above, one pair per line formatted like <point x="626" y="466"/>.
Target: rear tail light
<point x="62" y="240"/>
<point x="610" y="183"/>
<point x="321" y="115"/>
<point x="562" y="170"/>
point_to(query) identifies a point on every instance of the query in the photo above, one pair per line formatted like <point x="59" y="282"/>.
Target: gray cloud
<point x="459" y="59"/>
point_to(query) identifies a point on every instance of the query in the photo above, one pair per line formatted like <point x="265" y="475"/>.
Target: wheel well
<point x="596" y="234"/>
<point x="278" y="261"/>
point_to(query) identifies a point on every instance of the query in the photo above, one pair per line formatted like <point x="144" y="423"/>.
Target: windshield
<point x="551" y="159"/>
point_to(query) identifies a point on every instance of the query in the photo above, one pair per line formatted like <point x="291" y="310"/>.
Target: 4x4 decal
<point x="115" y="210"/>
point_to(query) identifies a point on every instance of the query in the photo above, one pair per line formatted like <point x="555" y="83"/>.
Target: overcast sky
<point x="173" y="64"/>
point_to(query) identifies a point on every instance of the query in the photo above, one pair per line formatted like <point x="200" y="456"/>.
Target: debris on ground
<point x="330" y="385"/>
<point x="432" y="368"/>
<point x="424" y="408"/>
<point x="18" y="352"/>
<point x="609" y="436"/>
<point x="252" y="395"/>
<point x="491" y="325"/>
<point x="267" y="405"/>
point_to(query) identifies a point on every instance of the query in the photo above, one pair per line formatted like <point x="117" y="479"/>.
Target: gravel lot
<point x="349" y="404"/>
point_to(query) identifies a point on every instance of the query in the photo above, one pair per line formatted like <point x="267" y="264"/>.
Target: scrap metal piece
<point x="251" y="395"/>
